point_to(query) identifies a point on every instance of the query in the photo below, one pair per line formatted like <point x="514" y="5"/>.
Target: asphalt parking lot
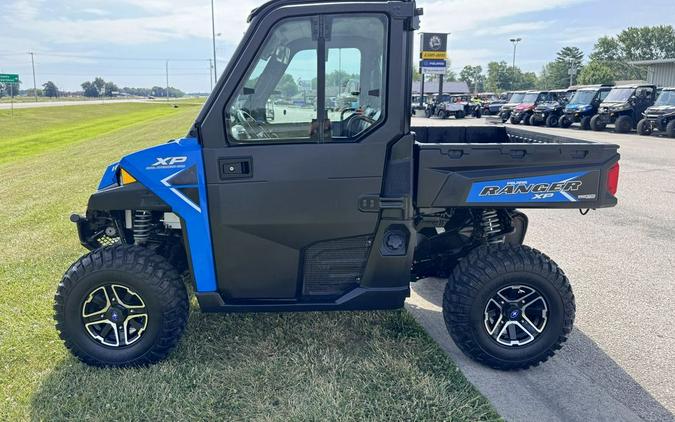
<point x="619" y="363"/>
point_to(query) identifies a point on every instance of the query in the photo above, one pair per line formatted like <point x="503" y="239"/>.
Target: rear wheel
<point x="508" y="307"/>
<point x="564" y="122"/>
<point x="596" y="124"/>
<point x="514" y="121"/>
<point x="551" y="121"/>
<point x="460" y="114"/>
<point x="533" y="121"/>
<point x="585" y="123"/>
<point x="670" y="129"/>
<point x="443" y="114"/>
<point x="623" y="124"/>
<point x="527" y="120"/>
<point x="643" y="128"/>
<point x="121" y="306"/>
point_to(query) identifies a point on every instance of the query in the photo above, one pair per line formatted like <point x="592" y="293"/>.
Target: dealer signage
<point x="433" y="46"/>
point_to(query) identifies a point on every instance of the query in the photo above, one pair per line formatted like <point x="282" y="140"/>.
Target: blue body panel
<point x="109" y="178"/>
<point x="156" y="168"/>
<point x="526" y="190"/>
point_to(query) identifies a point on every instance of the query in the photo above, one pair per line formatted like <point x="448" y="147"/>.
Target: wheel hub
<point x="114" y="315"/>
<point x="516" y="315"/>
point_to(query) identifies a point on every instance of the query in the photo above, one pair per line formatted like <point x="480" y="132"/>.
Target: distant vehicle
<point x="514" y="100"/>
<point x="661" y="116"/>
<point x="494" y="105"/>
<point x="623" y="107"/>
<point x="150" y="97"/>
<point x="549" y="111"/>
<point x="525" y="109"/>
<point x="584" y="105"/>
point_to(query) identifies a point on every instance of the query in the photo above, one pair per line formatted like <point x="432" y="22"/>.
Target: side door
<point x="287" y="187"/>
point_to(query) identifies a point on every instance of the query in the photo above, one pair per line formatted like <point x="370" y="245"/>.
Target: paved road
<point x="7" y="106"/>
<point x="619" y="363"/>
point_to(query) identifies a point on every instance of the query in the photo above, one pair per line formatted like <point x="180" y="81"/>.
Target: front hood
<point x="663" y="109"/>
<point x="525" y="107"/>
<point x="548" y="106"/>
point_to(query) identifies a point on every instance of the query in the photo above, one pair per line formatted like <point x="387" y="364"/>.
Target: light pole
<point x="213" y="30"/>
<point x="515" y="42"/>
<point x="32" y="60"/>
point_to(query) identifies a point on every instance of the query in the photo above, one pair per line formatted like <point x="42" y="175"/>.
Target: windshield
<point x="530" y="98"/>
<point x="583" y="97"/>
<point x="517" y="98"/>
<point x="666" y="98"/>
<point x="619" y="95"/>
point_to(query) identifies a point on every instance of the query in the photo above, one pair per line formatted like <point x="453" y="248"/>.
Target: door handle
<point x="235" y="168"/>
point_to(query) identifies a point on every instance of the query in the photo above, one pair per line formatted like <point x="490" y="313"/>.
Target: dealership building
<point x="659" y="72"/>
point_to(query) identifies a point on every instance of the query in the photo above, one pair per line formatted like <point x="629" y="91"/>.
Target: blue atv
<point x="328" y="209"/>
<point x="584" y="105"/>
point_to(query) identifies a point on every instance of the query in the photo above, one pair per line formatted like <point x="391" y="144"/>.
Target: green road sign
<point x="8" y="78"/>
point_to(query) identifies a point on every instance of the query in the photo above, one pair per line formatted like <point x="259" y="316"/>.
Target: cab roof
<point x="635" y="86"/>
<point x="279" y="3"/>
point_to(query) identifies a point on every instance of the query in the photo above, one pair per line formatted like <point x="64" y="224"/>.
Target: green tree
<point x="99" y="84"/>
<point x="473" y="76"/>
<point x="89" y="89"/>
<point x="287" y="86"/>
<point x="499" y="77"/>
<point x="10" y="89"/>
<point x="50" y="89"/>
<point x="109" y="88"/>
<point x="597" y="72"/>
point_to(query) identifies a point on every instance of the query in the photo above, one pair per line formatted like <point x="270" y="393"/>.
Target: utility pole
<point x="213" y="30"/>
<point x="515" y="42"/>
<point x="167" y="80"/>
<point x="573" y="71"/>
<point x="32" y="60"/>
<point x="211" y="73"/>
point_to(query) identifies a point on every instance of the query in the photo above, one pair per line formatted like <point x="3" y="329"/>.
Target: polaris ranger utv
<point x="525" y="110"/>
<point x="549" y="111"/>
<point x="661" y="116"/>
<point x="583" y="106"/>
<point x="327" y="210"/>
<point x="623" y="107"/>
<point x="514" y="101"/>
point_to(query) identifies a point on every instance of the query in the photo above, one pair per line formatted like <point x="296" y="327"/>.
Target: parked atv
<point x="661" y="116"/>
<point x="584" y="105"/>
<point x="328" y="211"/>
<point x="549" y="111"/>
<point x="524" y="111"/>
<point x="514" y="101"/>
<point x="623" y="107"/>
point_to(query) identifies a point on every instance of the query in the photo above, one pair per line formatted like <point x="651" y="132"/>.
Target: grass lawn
<point x="318" y="366"/>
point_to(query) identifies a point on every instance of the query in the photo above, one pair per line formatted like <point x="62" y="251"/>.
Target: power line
<point x="138" y="59"/>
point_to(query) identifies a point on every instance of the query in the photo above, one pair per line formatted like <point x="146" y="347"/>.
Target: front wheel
<point x="514" y="120"/>
<point x="460" y="114"/>
<point x="121" y="306"/>
<point x="585" y="123"/>
<point x="623" y="124"/>
<point x="670" y="129"/>
<point x="564" y="122"/>
<point x="596" y="124"/>
<point x="526" y="120"/>
<point x="552" y="121"/>
<point x="508" y="307"/>
<point x="643" y="128"/>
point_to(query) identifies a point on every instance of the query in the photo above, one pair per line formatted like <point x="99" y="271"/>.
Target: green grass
<point x="318" y="366"/>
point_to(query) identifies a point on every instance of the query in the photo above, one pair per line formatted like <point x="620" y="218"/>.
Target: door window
<point x="277" y="101"/>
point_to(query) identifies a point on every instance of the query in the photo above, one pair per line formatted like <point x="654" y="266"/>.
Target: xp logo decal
<point x="570" y="187"/>
<point x="169" y="161"/>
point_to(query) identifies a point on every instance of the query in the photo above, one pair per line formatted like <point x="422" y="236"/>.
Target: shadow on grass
<point x="580" y="383"/>
<point x="316" y="366"/>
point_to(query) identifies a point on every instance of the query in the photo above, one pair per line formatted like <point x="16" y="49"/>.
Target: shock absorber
<point x="142" y="226"/>
<point x="493" y="229"/>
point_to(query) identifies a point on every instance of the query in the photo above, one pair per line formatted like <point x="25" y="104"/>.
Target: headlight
<point x="126" y="178"/>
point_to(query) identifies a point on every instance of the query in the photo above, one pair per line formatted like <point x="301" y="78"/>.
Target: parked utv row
<point x="641" y="107"/>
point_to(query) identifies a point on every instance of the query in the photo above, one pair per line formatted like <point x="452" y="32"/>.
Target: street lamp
<point x="515" y="42"/>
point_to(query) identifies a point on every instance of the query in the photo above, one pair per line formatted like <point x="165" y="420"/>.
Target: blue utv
<point x="584" y="105"/>
<point x="328" y="209"/>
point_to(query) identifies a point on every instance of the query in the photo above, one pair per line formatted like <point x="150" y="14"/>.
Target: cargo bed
<point x="500" y="167"/>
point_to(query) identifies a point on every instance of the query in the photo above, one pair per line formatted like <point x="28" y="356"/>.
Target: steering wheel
<point x="357" y="124"/>
<point x="253" y="128"/>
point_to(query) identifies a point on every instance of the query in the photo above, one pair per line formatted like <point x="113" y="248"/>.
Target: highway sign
<point x="9" y="78"/>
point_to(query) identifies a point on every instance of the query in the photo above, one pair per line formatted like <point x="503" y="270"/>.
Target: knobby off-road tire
<point x="670" y="129"/>
<point x="643" y="129"/>
<point x="487" y="272"/>
<point x="551" y="121"/>
<point x="564" y="122"/>
<point x="596" y="124"/>
<point x="623" y="124"/>
<point x="585" y="123"/>
<point x="137" y="275"/>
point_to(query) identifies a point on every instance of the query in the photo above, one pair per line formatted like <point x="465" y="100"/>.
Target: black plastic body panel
<point x="451" y="160"/>
<point x="130" y="197"/>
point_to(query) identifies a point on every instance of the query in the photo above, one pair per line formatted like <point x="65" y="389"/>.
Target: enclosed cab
<point x="623" y="107"/>
<point x="549" y="111"/>
<point x="493" y="103"/>
<point x="584" y="105"/>
<point x="661" y="116"/>
<point x="524" y="111"/>
<point x="515" y="99"/>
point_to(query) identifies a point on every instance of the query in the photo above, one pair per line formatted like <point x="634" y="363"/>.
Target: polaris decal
<point x="568" y="187"/>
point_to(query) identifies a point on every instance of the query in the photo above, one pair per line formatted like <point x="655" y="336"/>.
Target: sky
<point x="129" y="41"/>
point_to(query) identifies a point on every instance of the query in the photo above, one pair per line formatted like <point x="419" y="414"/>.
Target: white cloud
<point x="515" y="28"/>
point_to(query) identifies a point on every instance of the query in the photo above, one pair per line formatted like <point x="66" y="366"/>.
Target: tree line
<point x="608" y="62"/>
<point x="92" y="89"/>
